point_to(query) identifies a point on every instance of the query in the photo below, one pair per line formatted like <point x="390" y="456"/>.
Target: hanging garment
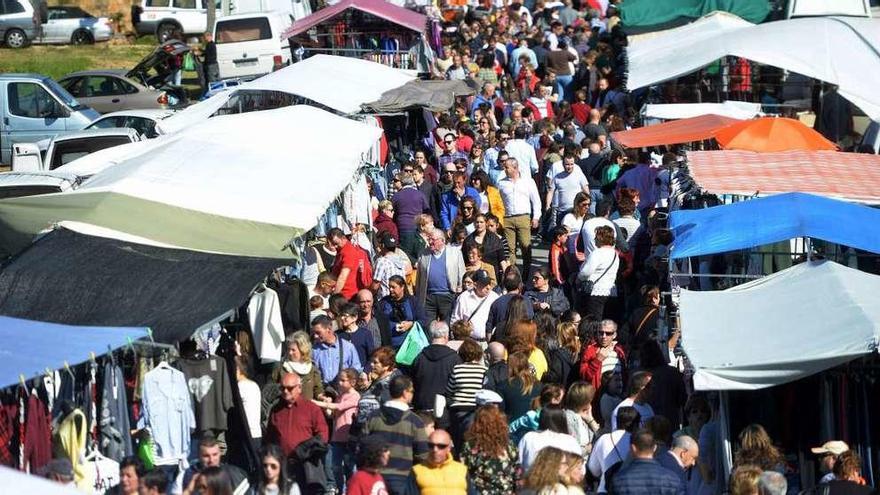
<point x="71" y="443"/>
<point x="264" y="316"/>
<point x="115" y="437"/>
<point x="36" y="449"/>
<point x="293" y="296"/>
<point x="211" y="392"/>
<point x="103" y="471"/>
<point x="8" y="425"/>
<point x="168" y="412"/>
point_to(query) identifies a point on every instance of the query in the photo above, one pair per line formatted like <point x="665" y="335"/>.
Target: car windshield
<point x="62" y="93"/>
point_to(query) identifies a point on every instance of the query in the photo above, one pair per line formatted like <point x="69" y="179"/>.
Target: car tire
<point x="165" y="32"/>
<point x="15" y="38"/>
<point x="81" y="37"/>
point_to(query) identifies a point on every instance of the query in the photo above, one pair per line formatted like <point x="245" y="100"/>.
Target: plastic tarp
<point x="772" y="219"/>
<point x="379" y="8"/>
<point x="673" y="132"/>
<point x="342" y="84"/>
<point x="646" y="13"/>
<point x="436" y="96"/>
<point x="733" y="109"/>
<point x="244" y="184"/>
<point x="768" y="134"/>
<point x="799" y="321"/>
<point x="15" y="481"/>
<point x="849" y="176"/>
<point x="29" y="347"/>
<point x="810" y="46"/>
<point x="76" y="279"/>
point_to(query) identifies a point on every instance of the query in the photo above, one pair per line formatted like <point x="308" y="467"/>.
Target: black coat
<point x="430" y="372"/>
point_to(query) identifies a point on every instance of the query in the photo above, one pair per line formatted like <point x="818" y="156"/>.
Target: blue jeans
<point x="563" y="85"/>
<point x="341" y="464"/>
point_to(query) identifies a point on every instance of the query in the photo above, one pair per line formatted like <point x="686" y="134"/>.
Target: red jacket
<point x="591" y="366"/>
<point x="383" y="223"/>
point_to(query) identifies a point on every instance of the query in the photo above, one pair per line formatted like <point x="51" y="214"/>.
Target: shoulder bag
<point x="586" y="285"/>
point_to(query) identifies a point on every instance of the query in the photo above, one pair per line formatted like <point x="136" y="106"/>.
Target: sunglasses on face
<point x="448" y="172"/>
<point x="438" y="446"/>
<point x="408" y="170"/>
<point x="609" y="334"/>
<point x="448" y="142"/>
<point x="289" y="387"/>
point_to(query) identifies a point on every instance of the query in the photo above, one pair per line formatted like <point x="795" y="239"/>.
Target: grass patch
<point x="57" y="61"/>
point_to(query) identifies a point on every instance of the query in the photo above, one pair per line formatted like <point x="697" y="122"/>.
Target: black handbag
<point x="585" y="285"/>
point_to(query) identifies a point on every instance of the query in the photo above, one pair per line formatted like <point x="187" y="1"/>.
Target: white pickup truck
<point x="64" y="148"/>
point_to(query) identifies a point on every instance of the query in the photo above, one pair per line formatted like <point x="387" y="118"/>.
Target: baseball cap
<point x="480" y="277"/>
<point x="487" y="397"/>
<point x="835" y="447"/>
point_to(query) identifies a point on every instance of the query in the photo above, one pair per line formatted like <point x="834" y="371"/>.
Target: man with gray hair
<point x="772" y="483"/>
<point x="432" y="367"/>
<point x="438" y="277"/>
<point x="681" y="457"/>
<point x="497" y="374"/>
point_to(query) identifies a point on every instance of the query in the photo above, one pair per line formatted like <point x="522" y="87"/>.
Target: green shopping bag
<point x="413" y="344"/>
<point x="189" y="62"/>
<point x="145" y="449"/>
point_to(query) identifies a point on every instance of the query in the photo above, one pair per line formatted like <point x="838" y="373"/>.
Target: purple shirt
<point x="641" y="177"/>
<point x="408" y="203"/>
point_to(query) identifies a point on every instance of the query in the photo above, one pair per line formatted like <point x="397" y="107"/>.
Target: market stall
<point x="176" y="194"/>
<point x="372" y="29"/>
<point x="811" y="46"/>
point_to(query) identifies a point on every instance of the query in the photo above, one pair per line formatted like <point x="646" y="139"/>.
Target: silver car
<point x="111" y="91"/>
<point x="74" y="25"/>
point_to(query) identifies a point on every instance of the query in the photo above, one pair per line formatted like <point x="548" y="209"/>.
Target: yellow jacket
<point x="496" y="205"/>
<point x="449" y="478"/>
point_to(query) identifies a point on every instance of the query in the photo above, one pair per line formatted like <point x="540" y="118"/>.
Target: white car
<point x="143" y="121"/>
<point x="74" y="25"/>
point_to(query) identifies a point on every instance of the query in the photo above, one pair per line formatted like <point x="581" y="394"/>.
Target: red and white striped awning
<point x="848" y="176"/>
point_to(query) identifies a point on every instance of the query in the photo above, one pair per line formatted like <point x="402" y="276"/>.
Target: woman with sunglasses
<point x="273" y="477"/>
<point x="467" y="213"/>
<point x="490" y="197"/>
<point x="543" y="297"/>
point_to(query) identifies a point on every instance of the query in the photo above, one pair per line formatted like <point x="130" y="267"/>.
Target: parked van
<point x="17" y="26"/>
<point x="250" y="45"/>
<point x="34" y="107"/>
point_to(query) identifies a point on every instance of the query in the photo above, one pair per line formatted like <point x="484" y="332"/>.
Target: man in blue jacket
<point x="643" y="475"/>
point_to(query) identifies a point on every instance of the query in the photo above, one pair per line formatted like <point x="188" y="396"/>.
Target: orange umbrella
<point x="767" y="134"/>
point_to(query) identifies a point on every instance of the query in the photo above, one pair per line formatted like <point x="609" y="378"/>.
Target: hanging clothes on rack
<point x="103" y="471"/>
<point x="293" y="297"/>
<point x="211" y="392"/>
<point x="35" y="429"/>
<point x="264" y="316"/>
<point x="115" y="437"/>
<point x="167" y="411"/>
<point x="71" y="443"/>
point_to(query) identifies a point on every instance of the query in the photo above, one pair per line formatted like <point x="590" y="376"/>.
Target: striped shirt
<point x="464" y="382"/>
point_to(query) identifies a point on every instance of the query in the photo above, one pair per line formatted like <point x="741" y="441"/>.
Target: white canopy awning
<point x="780" y="328"/>
<point x="812" y="46"/>
<point x="244" y="184"/>
<point x="741" y="110"/>
<point x="340" y="83"/>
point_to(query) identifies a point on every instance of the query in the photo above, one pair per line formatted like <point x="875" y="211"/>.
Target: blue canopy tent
<point x="29" y="347"/>
<point x="772" y="219"/>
